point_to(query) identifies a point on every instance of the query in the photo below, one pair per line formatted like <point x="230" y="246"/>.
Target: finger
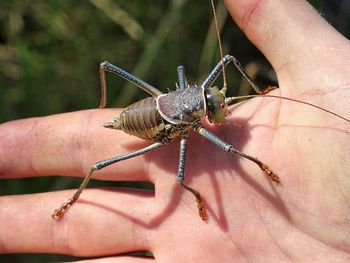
<point x="66" y="144"/>
<point x="296" y="40"/>
<point x="120" y="259"/>
<point x="94" y="226"/>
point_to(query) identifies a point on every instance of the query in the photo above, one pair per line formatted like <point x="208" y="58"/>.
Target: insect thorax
<point x="182" y="106"/>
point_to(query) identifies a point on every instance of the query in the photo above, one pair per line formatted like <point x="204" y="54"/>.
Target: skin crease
<point x="305" y="218"/>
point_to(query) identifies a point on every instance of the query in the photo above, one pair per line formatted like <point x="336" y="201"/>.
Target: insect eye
<point x="222" y="105"/>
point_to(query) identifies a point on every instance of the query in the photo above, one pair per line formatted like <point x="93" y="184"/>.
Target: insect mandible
<point x="163" y="117"/>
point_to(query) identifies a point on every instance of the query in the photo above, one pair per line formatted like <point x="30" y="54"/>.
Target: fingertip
<point x="107" y="227"/>
<point x="62" y="144"/>
<point x="284" y="31"/>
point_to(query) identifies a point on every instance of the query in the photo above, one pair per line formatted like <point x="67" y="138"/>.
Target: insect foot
<point x="201" y="209"/>
<point x="58" y="213"/>
<point x="274" y="177"/>
<point x="267" y="90"/>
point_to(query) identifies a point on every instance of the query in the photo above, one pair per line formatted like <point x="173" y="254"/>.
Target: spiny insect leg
<point x="229" y="148"/>
<point x="98" y="166"/>
<point x="107" y="66"/>
<point x="182" y="77"/>
<point x="219" y="68"/>
<point x="103" y="98"/>
<point x="181" y="177"/>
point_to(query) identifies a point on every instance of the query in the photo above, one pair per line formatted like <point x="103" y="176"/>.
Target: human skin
<point x="305" y="218"/>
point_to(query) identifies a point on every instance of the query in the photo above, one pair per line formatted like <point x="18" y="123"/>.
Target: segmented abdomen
<point x="143" y="120"/>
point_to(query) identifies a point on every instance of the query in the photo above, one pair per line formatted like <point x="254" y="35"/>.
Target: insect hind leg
<point x="59" y="212"/>
<point x="107" y="66"/>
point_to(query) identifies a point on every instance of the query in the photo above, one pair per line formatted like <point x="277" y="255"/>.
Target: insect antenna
<point x="224" y="88"/>
<point x="230" y="100"/>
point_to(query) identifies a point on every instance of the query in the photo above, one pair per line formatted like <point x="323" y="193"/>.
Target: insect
<point x="163" y="117"/>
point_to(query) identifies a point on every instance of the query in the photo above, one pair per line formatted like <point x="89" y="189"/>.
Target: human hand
<point x="305" y="218"/>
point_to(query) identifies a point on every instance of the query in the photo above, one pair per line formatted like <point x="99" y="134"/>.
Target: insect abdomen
<point x="143" y="120"/>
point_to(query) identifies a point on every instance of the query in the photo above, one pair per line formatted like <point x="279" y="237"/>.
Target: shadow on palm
<point x="264" y="132"/>
<point x="219" y="176"/>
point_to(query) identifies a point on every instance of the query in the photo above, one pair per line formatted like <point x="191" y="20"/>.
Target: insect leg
<point x="98" y="166"/>
<point x="182" y="77"/>
<point x="106" y="66"/>
<point x="219" y="68"/>
<point x="181" y="177"/>
<point x="229" y="148"/>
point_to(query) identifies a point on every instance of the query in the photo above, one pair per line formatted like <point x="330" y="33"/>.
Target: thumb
<point x="301" y="46"/>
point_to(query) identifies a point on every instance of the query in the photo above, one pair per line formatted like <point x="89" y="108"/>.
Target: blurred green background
<point x="50" y="53"/>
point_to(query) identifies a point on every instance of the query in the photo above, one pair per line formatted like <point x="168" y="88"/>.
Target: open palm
<point x="304" y="218"/>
